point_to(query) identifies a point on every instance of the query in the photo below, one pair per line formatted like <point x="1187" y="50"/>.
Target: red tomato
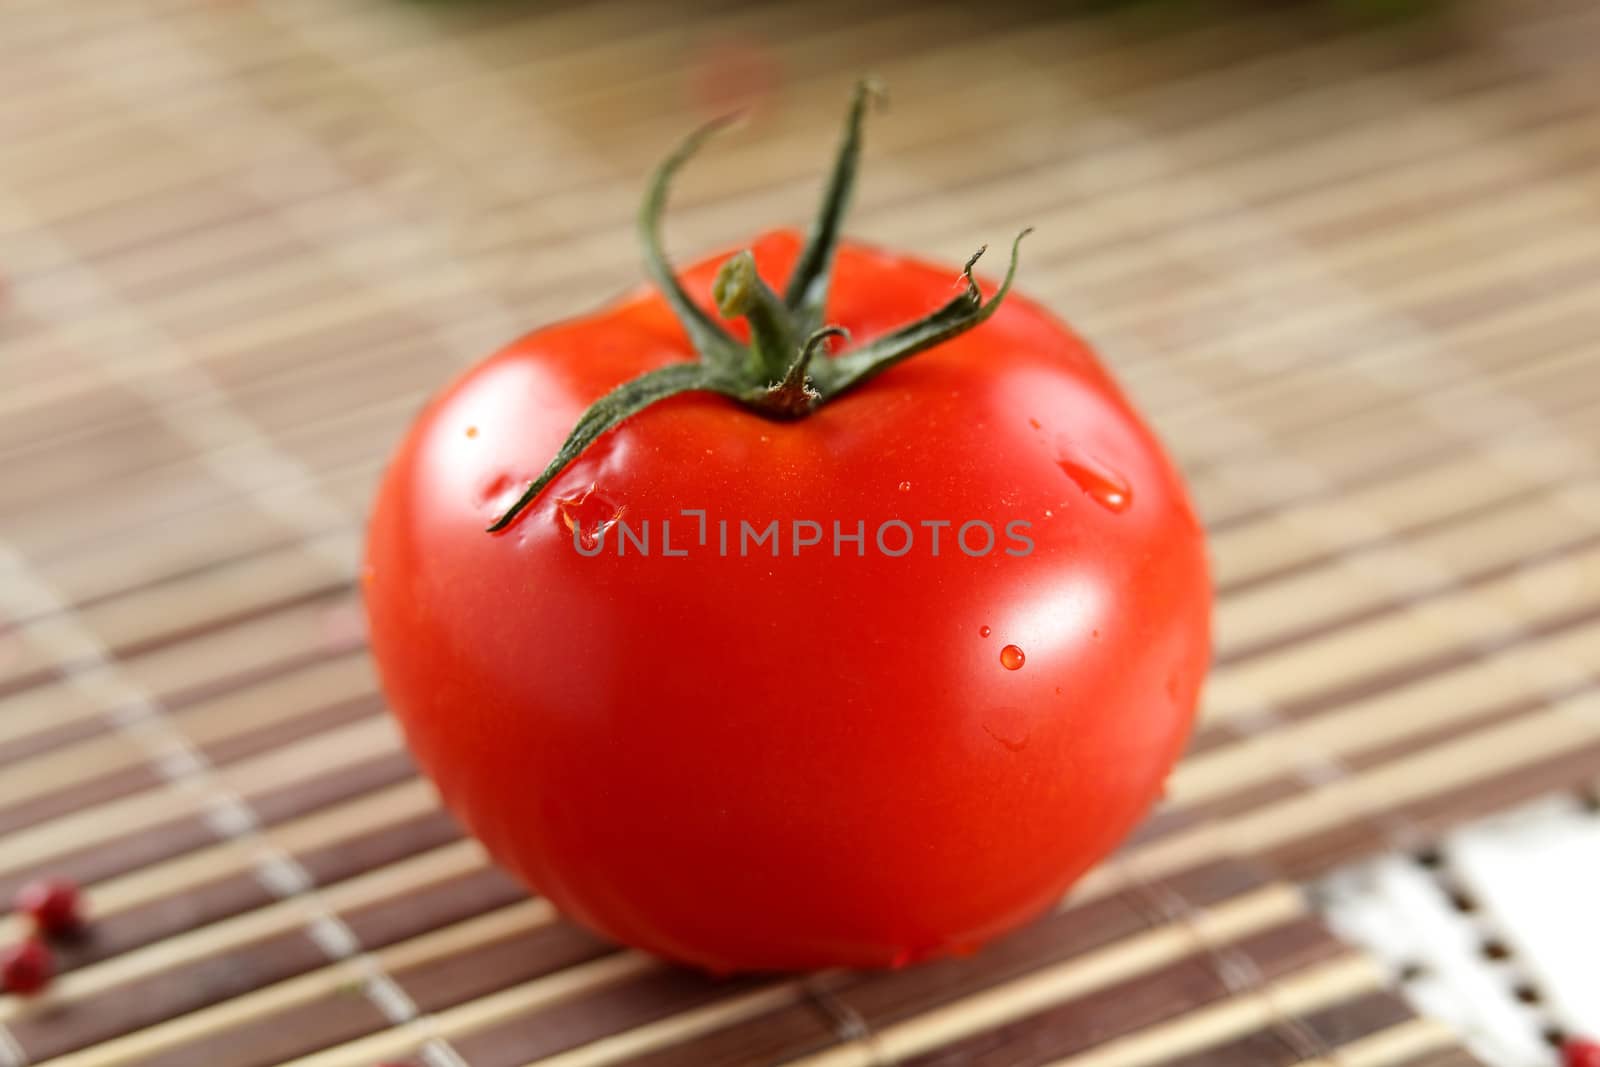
<point x="802" y="760"/>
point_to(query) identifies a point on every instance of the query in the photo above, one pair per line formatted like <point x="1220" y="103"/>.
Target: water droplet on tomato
<point x="1011" y="658"/>
<point x="1099" y="482"/>
<point x="472" y="431"/>
<point x="984" y="631"/>
<point x="587" y="515"/>
<point x="905" y="487"/>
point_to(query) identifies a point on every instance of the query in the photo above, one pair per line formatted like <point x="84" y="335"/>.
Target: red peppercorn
<point x="27" y="968"/>
<point x="1578" y="1052"/>
<point x="55" y="905"/>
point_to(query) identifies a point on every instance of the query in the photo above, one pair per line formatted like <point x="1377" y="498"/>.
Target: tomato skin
<point x="804" y="761"/>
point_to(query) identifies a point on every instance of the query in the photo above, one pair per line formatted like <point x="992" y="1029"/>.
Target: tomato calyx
<point x="776" y="374"/>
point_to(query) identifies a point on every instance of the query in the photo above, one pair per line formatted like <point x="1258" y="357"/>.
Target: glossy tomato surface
<point x="759" y="762"/>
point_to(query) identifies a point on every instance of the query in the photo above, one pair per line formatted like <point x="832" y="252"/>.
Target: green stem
<point x="807" y="290"/>
<point x="713" y="343"/>
<point x="627" y="399"/>
<point x="963" y="313"/>
<point x="794" y="396"/>
<point x="776" y="375"/>
<point x="739" y="292"/>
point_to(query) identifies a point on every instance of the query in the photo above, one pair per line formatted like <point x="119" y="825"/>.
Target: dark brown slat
<point x="465" y="976"/>
<point x="287" y="731"/>
<point x="127" y="781"/>
<point x="1429" y="312"/>
<point x="184" y="696"/>
<point x="1328" y="1029"/>
<point x="1402" y="460"/>
<point x="60" y="468"/>
<point x="98" y="401"/>
<point x="1265" y="1048"/>
<point x="1519" y="494"/>
<point x="775" y="1037"/>
<point x="1570" y="391"/>
<point x="375" y="925"/>
<point x="1356" y="837"/>
<point x="1125" y="1007"/>
<point x="328" y="594"/>
<point x="882" y="998"/>
<point x="184" y="834"/>
<point x="51" y="737"/>
<point x="1211" y="736"/>
<point x="315" y="1025"/>
<point x="1463" y="582"/>
<point x="211" y="204"/>
<point x="122" y="854"/>
<point x="1252" y="797"/>
<point x="165" y="995"/>
<point x="608" y="1011"/>
<point x="1419" y="743"/>
<point x="143" y="581"/>
<point x="432" y="907"/>
<point x="1272" y="790"/>
<point x="1355" y="1019"/>
<point x="38" y="676"/>
<point x="1159" y="823"/>
<point x="1447" y="1058"/>
<point x="1574" y="770"/>
<point x="345" y="783"/>
<point x="1315" y="855"/>
<point x="280" y="1036"/>
<point x="368" y="852"/>
<point x="1362" y="222"/>
<point x="201" y="905"/>
<point x="102" y="790"/>
<point x="1367" y="685"/>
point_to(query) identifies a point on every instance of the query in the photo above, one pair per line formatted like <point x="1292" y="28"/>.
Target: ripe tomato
<point x="758" y="761"/>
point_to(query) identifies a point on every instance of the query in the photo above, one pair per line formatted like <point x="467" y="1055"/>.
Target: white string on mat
<point x="849" y="1025"/>
<point x="86" y="663"/>
<point x="1237" y="971"/>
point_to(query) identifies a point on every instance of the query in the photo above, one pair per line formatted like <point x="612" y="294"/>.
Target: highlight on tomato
<point x="814" y="606"/>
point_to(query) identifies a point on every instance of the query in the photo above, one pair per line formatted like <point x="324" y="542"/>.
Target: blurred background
<point x="1344" y="254"/>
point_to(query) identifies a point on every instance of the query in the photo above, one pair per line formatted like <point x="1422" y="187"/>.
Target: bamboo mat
<point x="1350" y="270"/>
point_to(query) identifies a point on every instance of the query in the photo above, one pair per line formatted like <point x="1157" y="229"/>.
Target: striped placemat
<point x="1348" y="267"/>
